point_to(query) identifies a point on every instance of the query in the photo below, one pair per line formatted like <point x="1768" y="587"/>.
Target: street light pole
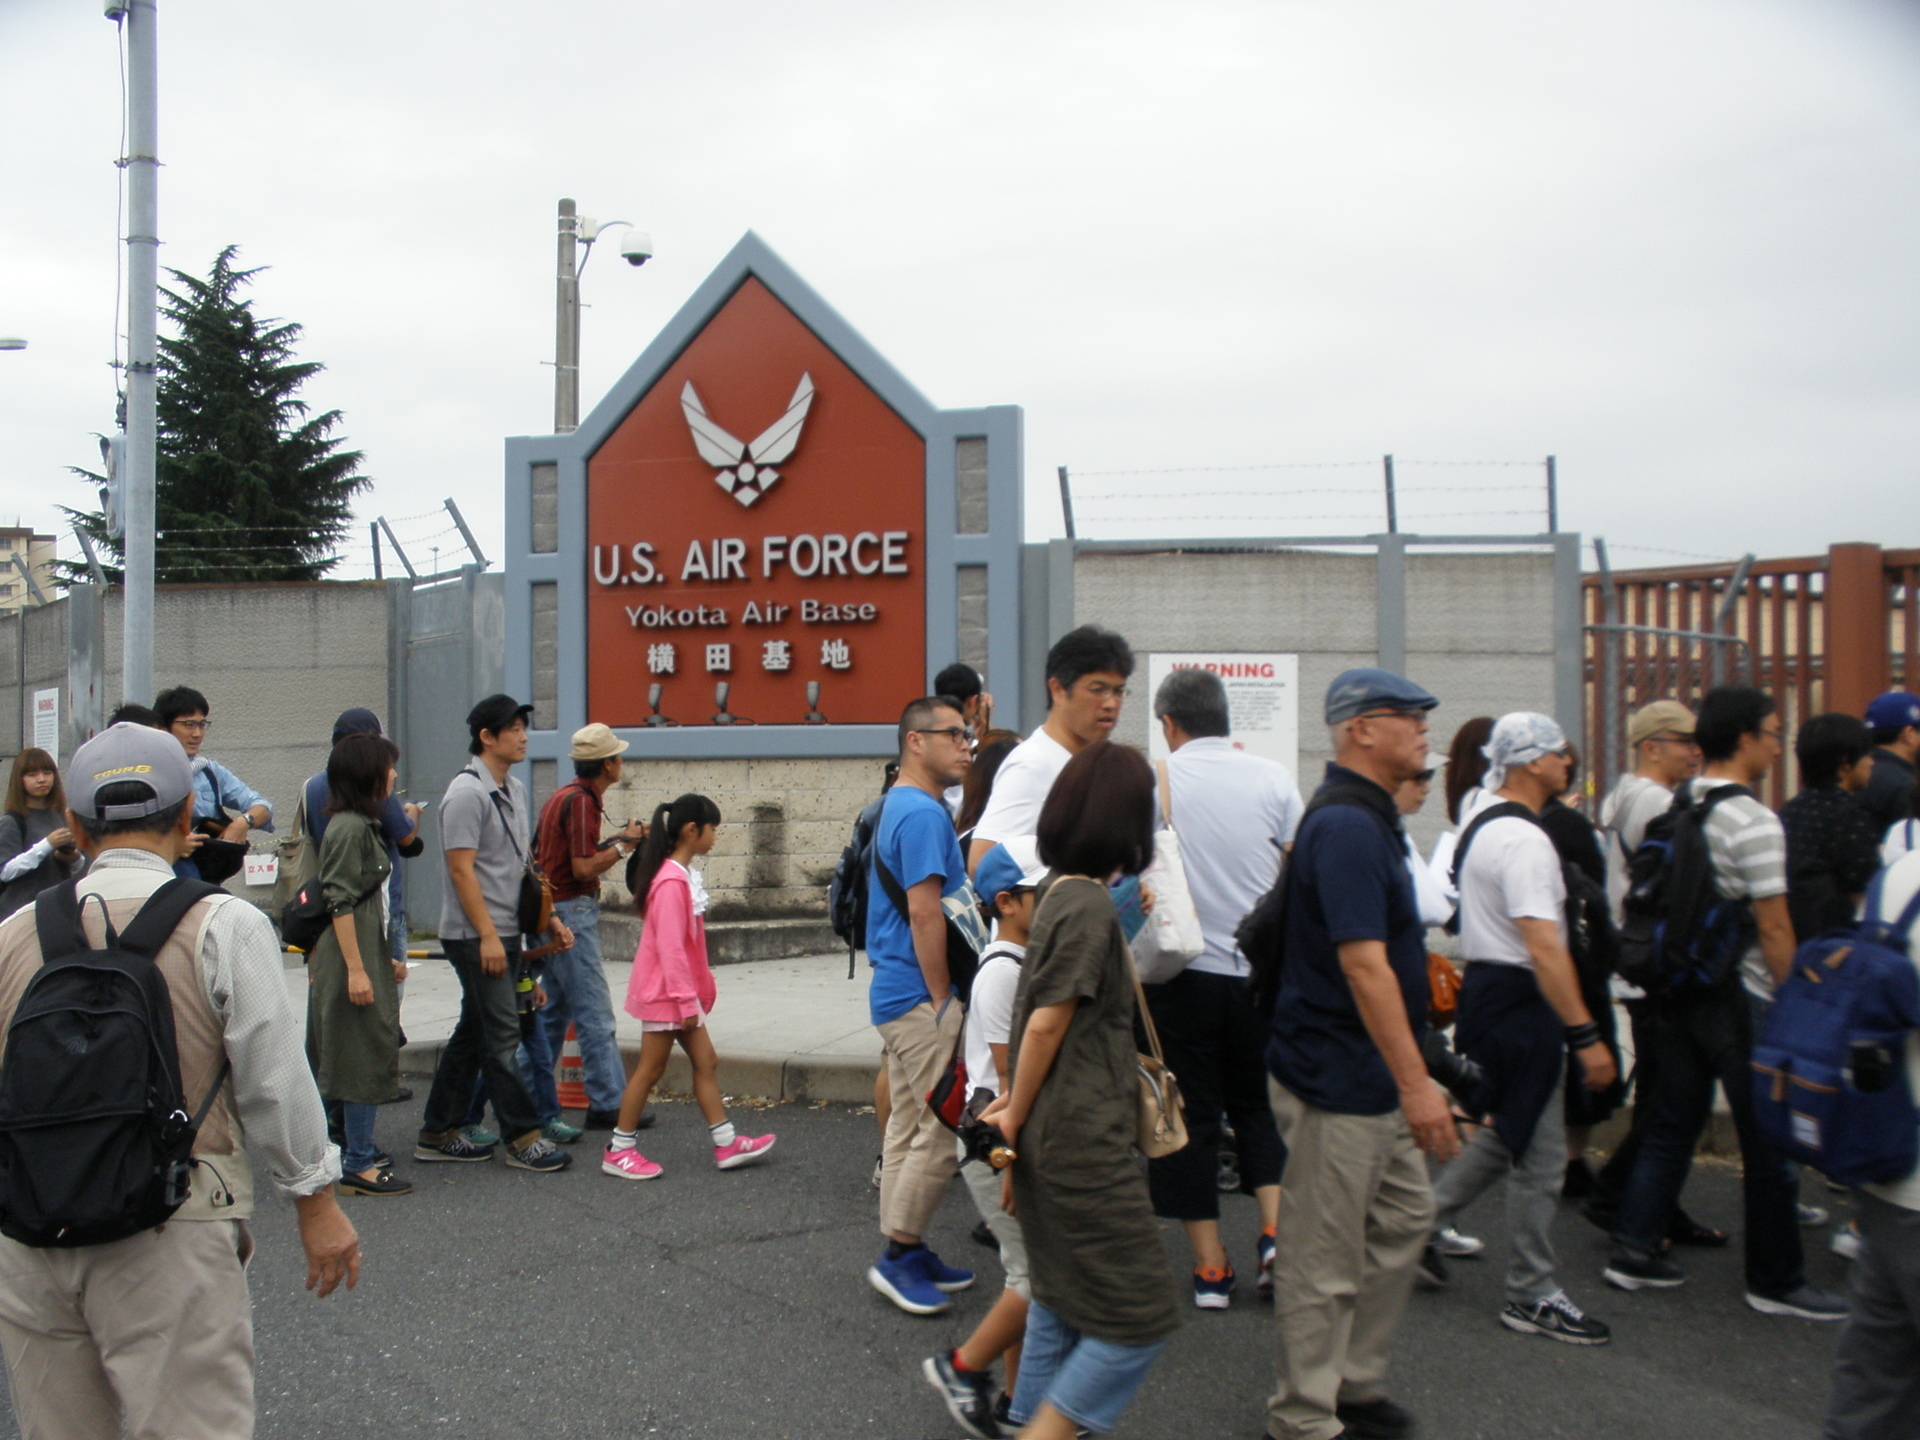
<point x="143" y="245"/>
<point x="566" y="347"/>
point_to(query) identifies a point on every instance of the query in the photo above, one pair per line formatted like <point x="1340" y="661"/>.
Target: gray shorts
<point x="983" y="1183"/>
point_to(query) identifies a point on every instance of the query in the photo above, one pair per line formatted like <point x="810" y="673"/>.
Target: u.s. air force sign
<point x="765" y="526"/>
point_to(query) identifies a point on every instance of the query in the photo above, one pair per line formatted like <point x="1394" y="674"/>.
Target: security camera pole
<point x="143" y="246"/>
<point x="566" y="363"/>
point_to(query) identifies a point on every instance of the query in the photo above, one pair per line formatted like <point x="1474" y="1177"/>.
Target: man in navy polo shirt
<point x="1350" y="1091"/>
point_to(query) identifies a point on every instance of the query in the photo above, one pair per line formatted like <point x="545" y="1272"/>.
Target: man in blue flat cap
<point x="1350" y="1091"/>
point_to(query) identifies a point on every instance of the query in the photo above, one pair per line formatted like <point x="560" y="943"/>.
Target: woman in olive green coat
<point x="353" y="1004"/>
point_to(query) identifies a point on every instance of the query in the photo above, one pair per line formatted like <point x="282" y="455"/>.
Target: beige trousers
<point x="917" y="1153"/>
<point x="1355" y="1213"/>
<point x="153" y="1333"/>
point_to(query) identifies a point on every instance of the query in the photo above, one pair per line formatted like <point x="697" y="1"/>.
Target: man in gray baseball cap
<point x="63" y="1312"/>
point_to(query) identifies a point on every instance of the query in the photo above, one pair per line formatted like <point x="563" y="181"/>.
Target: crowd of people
<point x="1364" y="1090"/>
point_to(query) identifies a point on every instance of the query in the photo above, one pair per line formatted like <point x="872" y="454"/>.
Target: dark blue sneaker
<point x="942" y="1275"/>
<point x="904" y="1281"/>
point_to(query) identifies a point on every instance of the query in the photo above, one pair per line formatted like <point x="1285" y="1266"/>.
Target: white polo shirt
<point x="1232" y="811"/>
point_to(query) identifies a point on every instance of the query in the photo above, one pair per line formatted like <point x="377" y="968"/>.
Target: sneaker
<point x="1578" y="1182"/>
<point x="1455" y="1246"/>
<point x="968" y="1393"/>
<point x="479" y="1135"/>
<point x="628" y="1164"/>
<point x="744" y="1150"/>
<point x="905" y="1283"/>
<point x="1557" y="1318"/>
<point x="561" y="1133"/>
<point x="1809" y="1302"/>
<point x="454" y="1145"/>
<point x="1000" y="1409"/>
<point x="982" y="1234"/>
<point x="948" y="1278"/>
<point x="384" y="1182"/>
<point x="539" y="1154"/>
<point x="1431" y="1273"/>
<point x="1213" y="1287"/>
<point x="1811" y="1217"/>
<point x="1630" y="1270"/>
<point x="879" y="1164"/>
<point x="1263" y="1277"/>
<point x="1376" y="1420"/>
<point x="1846" y="1243"/>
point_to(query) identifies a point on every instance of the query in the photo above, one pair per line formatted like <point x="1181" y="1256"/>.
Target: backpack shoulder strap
<point x="1704" y="806"/>
<point x="1504" y="810"/>
<point x="162" y="914"/>
<point x="56" y="919"/>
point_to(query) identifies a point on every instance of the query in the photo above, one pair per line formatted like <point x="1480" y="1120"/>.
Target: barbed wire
<point x="1401" y="492"/>
<point x="1373" y="463"/>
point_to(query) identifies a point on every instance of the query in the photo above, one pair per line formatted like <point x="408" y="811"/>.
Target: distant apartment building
<point x="38" y="552"/>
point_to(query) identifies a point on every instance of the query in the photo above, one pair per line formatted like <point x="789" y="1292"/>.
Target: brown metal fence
<point x="1818" y="633"/>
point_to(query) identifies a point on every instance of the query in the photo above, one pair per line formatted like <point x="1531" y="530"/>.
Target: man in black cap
<point x="483" y="829"/>
<point x="1350" y="1091"/>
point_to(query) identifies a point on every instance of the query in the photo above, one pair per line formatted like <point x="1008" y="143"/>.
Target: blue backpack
<point x="1830" y="1074"/>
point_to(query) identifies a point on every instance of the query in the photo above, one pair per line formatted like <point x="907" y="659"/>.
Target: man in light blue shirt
<point x="224" y="806"/>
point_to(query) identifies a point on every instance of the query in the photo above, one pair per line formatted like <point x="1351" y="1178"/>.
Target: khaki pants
<point x="1355" y="1213"/>
<point x="154" y="1332"/>
<point x="917" y="1154"/>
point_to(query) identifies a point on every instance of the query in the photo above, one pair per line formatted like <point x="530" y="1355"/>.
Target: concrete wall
<point x="1479" y="628"/>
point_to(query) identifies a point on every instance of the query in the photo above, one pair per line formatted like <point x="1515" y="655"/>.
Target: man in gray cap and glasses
<point x="1350" y="1091"/>
<point x="154" y="1332"/>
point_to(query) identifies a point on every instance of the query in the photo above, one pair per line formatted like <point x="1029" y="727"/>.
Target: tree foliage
<point x="250" y="484"/>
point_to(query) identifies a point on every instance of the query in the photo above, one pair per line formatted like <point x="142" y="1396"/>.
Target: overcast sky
<point x="1672" y="242"/>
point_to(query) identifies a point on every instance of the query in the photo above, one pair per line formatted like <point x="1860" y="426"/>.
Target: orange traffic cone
<point x="571" y="1077"/>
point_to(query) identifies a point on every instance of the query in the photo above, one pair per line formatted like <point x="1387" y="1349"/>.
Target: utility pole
<point x="1553" y="496"/>
<point x="142" y="163"/>
<point x="1393" y="501"/>
<point x="566" y="345"/>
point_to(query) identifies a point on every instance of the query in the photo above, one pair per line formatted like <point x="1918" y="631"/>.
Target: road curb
<point x="748" y="1074"/>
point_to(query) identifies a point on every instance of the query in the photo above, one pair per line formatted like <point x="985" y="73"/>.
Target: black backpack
<point x="1681" y="935"/>
<point x="95" y="1138"/>
<point x="847" y="895"/>
<point x="1261" y="933"/>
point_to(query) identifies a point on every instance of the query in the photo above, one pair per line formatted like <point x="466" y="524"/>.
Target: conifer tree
<point x="250" y="485"/>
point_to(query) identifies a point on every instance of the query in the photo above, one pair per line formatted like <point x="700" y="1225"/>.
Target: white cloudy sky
<point x="1670" y="241"/>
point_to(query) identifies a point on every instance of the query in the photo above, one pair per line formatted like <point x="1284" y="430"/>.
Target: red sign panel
<point x="758" y="520"/>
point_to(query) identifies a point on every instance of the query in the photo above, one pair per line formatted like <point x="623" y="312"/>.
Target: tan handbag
<point x="1160" y="1124"/>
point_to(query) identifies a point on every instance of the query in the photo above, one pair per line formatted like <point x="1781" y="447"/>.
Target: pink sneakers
<point x="628" y="1164"/>
<point x="744" y="1150"/>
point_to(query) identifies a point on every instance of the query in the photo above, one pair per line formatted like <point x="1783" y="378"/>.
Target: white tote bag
<point x="1171" y="939"/>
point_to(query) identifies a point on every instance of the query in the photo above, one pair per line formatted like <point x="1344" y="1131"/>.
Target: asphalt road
<point x="497" y="1303"/>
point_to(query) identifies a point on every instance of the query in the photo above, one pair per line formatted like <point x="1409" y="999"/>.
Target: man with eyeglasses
<point x="916" y="857"/>
<point x="1706" y="1036"/>
<point x="1348" y="1085"/>
<point x="1087" y="672"/>
<point x="224" y="806"/>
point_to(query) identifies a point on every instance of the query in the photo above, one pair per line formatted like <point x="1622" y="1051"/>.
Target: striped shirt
<point x="1749" y="849"/>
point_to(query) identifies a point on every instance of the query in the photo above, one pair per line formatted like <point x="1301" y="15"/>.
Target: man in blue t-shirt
<point x="916" y="863"/>
<point x="1350" y="1091"/>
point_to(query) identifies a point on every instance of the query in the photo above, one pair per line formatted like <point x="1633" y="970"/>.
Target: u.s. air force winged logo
<point x="746" y="470"/>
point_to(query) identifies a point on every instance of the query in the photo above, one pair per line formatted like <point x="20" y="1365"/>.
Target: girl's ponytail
<point x="663" y="837"/>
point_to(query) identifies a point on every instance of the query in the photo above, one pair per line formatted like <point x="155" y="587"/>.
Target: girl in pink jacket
<point x="671" y="989"/>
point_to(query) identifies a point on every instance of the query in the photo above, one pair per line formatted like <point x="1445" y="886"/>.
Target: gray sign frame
<point x="562" y="562"/>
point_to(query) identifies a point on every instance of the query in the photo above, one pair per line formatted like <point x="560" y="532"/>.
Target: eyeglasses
<point x="1100" y="690"/>
<point x="952" y="732"/>
<point x="1424" y="777"/>
<point x="200" y="725"/>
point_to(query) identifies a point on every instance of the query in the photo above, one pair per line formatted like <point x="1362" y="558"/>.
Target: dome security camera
<point x="636" y="247"/>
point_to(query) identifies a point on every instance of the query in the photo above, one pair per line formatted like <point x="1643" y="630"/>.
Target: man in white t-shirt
<point x="1521" y="1014"/>
<point x="1087" y="672"/>
<point x="1876" y="1372"/>
<point x="1235" y="815"/>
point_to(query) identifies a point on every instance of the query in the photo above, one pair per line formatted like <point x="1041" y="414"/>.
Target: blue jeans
<point x="357" y="1154"/>
<point x="1703" y="1039"/>
<point x="577" y="992"/>
<point x="1089" y="1381"/>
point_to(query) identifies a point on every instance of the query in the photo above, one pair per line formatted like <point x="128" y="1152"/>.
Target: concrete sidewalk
<point x="785" y="1029"/>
